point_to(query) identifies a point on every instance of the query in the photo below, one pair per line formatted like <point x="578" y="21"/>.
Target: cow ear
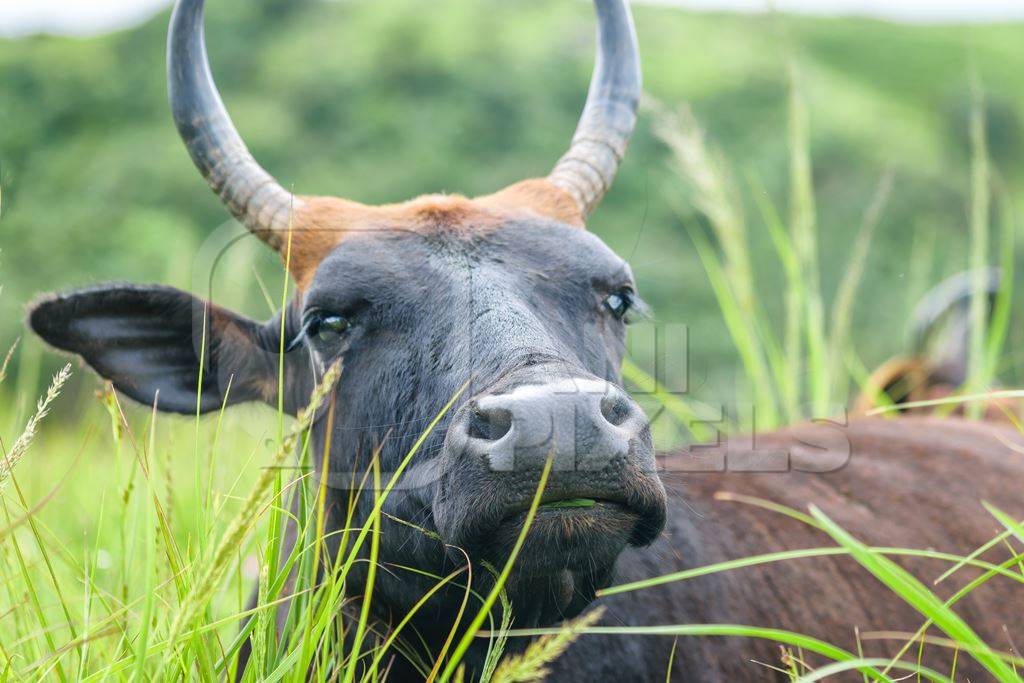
<point x="151" y="341"/>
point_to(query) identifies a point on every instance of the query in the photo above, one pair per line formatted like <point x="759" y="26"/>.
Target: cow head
<point x="505" y="292"/>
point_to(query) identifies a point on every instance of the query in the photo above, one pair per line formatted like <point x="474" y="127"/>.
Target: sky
<point x="91" y="17"/>
<point x="73" y="17"/>
<point x="923" y="11"/>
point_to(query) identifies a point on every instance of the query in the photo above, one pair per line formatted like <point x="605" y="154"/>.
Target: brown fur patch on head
<point x="321" y="223"/>
<point x="537" y="197"/>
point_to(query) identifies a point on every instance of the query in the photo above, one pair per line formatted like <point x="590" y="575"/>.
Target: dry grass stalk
<point x="532" y="664"/>
<point x="7" y="360"/>
<point x="23" y="442"/>
<point x="713" y="192"/>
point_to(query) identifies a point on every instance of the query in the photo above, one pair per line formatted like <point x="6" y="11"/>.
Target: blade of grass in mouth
<point x="568" y="503"/>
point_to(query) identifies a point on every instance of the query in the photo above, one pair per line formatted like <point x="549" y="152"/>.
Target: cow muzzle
<point x="602" y="492"/>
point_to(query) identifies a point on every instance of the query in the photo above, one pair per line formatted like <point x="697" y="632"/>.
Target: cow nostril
<point x="491" y="424"/>
<point x="615" y="409"/>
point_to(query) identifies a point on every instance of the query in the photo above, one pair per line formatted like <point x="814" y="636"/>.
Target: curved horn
<point x="586" y="171"/>
<point x="249" y="192"/>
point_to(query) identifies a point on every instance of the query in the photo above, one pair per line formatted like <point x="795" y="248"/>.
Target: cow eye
<point x="618" y="303"/>
<point x="330" y="327"/>
<point x="325" y="327"/>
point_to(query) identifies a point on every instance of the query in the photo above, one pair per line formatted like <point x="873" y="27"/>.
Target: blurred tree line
<point x="382" y="100"/>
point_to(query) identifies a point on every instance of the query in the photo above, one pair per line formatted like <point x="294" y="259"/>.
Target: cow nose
<point x="582" y="424"/>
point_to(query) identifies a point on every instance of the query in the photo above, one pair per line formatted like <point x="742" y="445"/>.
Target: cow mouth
<point x="567" y="503"/>
<point x="640" y="512"/>
<point x="569" y="518"/>
<point x="572" y="521"/>
<point x="574" y="513"/>
<point x="575" y="519"/>
<point x="566" y="533"/>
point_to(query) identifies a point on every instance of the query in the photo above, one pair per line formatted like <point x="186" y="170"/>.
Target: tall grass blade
<point x="789" y="369"/>
<point x="800" y="554"/>
<point x="371" y="576"/>
<point x="978" y="371"/>
<point x="803" y="231"/>
<point x="1012" y="525"/>
<point x="685" y="411"/>
<point x="846" y="295"/>
<point x="744" y="338"/>
<point x="915" y="594"/>
<point x="999" y="324"/>
<point x="837" y="668"/>
<point x="149" y="562"/>
<point x="951" y="400"/>
<point x="499" y="641"/>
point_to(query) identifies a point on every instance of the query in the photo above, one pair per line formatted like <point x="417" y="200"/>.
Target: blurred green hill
<point x="382" y="100"/>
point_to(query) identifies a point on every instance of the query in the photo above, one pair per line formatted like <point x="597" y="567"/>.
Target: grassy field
<point x="823" y="176"/>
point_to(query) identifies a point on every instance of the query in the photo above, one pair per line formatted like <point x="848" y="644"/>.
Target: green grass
<point x="803" y="367"/>
<point x="148" y="611"/>
<point x="569" y="503"/>
<point x="149" y="599"/>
